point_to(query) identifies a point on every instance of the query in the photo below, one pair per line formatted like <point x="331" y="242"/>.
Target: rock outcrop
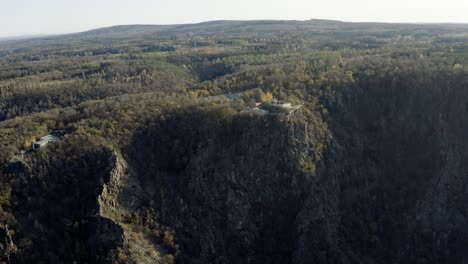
<point x="212" y="186"/>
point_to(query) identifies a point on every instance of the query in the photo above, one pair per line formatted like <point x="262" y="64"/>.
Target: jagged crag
<point x="372" y="168"/>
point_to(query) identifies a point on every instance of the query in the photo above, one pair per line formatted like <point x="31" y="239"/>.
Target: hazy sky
<point x="24" y="17"/>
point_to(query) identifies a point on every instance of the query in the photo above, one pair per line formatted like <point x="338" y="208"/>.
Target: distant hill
<point x="256" y="26"/>
<point x="210" y="27"/>
<point x="252" y="27"/>
<point x="326" y="32"/>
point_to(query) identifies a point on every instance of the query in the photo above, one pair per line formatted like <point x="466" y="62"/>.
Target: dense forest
<point x="178" y="144"/>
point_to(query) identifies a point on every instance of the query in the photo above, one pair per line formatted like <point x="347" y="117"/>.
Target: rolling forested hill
<point x="177" y="144"/>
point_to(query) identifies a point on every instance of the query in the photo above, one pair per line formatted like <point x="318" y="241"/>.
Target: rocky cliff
<point x="210" y="185"/>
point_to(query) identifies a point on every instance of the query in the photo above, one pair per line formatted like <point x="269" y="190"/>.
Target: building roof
<point x="50" y="138"/>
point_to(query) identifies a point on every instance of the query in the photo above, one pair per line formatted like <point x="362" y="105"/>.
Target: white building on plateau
<point x="44" y="141"/>
<point x="282" y="104"/>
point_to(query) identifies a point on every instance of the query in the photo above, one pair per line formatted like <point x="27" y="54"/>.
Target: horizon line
<point x="38" y="35"/>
